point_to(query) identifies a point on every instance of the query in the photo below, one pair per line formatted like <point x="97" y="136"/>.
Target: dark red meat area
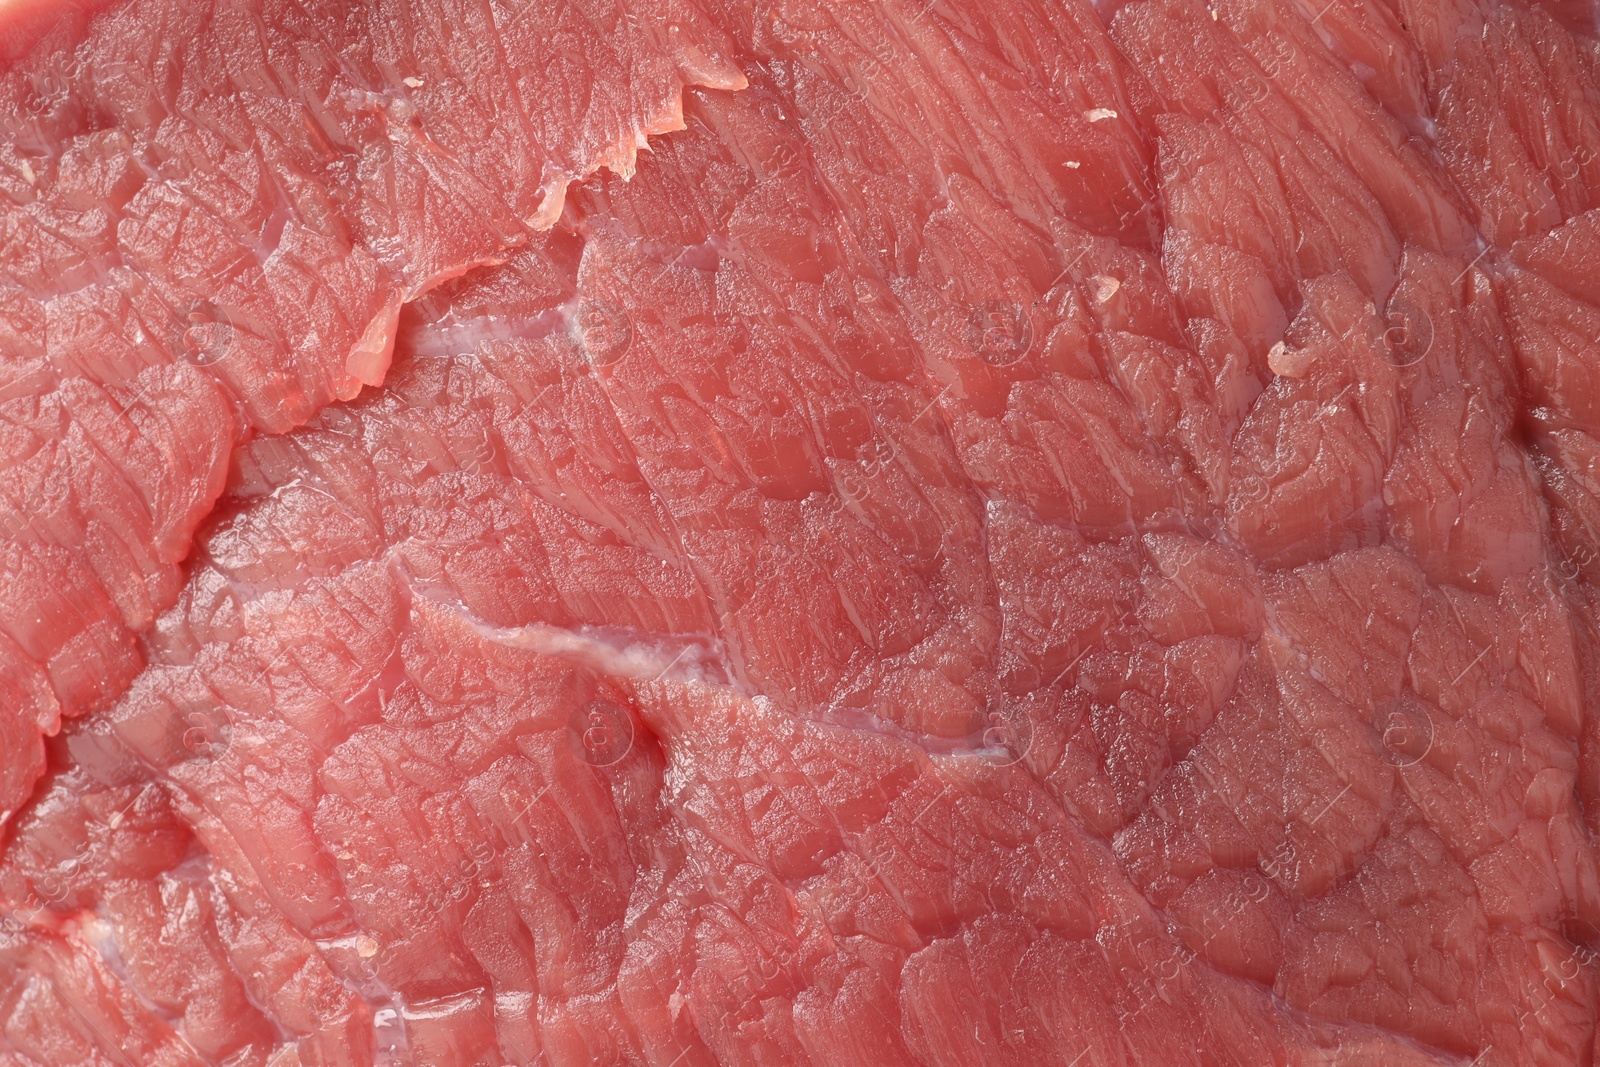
<point x="887" y="533"/>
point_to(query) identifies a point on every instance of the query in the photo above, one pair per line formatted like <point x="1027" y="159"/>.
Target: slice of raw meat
<point x="220" y="243"/>
<point x="1028" y="534"/>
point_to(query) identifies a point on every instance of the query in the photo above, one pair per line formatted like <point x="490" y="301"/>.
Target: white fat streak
<point x="648" y="659"/>
<point x="643" y="660"/>
<point x="444" y="1009"/>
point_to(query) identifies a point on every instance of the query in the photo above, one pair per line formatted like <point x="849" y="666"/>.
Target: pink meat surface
<point x="702" y="532"/>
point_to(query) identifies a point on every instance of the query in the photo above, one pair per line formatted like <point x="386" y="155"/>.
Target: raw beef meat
<point x="801" y="532"/>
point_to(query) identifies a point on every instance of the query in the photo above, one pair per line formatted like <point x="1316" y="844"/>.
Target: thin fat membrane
<point x="1025" y="535"/>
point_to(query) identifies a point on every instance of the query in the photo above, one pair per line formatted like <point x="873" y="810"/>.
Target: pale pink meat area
<point x="816" y="533"/>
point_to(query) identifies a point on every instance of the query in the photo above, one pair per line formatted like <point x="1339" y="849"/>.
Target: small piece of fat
<point x="1103" y="287"/>
<point x="1289" y="362"/>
